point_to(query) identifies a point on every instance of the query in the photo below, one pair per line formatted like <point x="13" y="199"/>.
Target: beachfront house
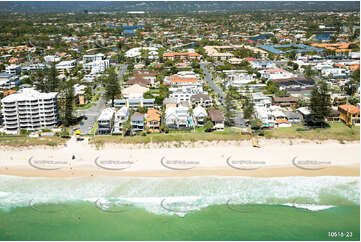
<point x="137" y="122"/>
<point x="200" y="115"/>
<point x="121" y="116"/>
<point x="293" y="117"/>
<point x="265" y="115"/>
<point x="153" y="119"/>
<point x="280" y="118"/>
<point x="178" y="117"/>
<point x="217" y="119"/>
<point x="106" y="121"/>
<point x="349" y="114"/>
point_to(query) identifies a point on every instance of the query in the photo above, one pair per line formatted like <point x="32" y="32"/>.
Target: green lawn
<point x="84" y="107"/>
<point x="90" y="104"/>
<point x="161" y="137"/>
<point x="338" y="131"/>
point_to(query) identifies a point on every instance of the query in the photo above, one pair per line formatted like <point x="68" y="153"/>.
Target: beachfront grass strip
<point x="161" y="138"/>
<point x="336" y="131"/>
<point x="18" y="141"/>
<point x="94" y="129"/>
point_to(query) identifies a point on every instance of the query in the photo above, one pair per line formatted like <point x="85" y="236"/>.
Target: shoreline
<point x="275" y="158"/>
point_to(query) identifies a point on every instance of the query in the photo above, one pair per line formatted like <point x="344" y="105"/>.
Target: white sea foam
<point x="181" y="195"/>
<point x="311" y="207"/>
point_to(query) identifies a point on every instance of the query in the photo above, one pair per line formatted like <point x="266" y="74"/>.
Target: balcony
<point x="11" y="122"/>
<point x="10" y="105"/>
<point x="11" y="112"/>
<point x="11" y="125"/>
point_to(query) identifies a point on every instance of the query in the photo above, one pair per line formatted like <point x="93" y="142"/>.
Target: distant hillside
<point x="176" y="7"/>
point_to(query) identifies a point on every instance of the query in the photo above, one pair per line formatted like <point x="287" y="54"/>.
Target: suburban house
<point x="261" y="65"/>
<point x="187" y="81"/>
<point x="106" y="121"/>
<point x="134" y="103"/>
<point x="217" y="119"/>
<point x="137" y="122"/>
<point x="170" y="101"/>
<point x="138" y="80"/>
<point x="8" y="81"/>
<point x="90" y="58"/>
<point x="237" y="78"/>
<point x="13" y="69"/>
<point x="181" y="56"/>
<point x="285" y="101"/>
<point x="150" y="76"/>
<point x="80" y="97"/>
<point x="153" y="119"/>
<point x="98" y="66"/>
<point x="334" y="72"/>
<point x="65" y="66"/>
<point x="294" y="83"/>
<point x="349" y="114"/>
<point x="51" y="58"/>
<point x="134" y="91"/>
<point x="121" y="116"/>
<point x="271" y="74"/>
<point x="200" y="115"/>
<point x="261" y="100"/>
<point x="181" y="96"/>
<point x="201" y="99"/>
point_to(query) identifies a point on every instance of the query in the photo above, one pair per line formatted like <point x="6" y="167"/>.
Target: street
<point x="93" y="112"/>
<point x="209" y="78"/>
<point x="238" y="121"/>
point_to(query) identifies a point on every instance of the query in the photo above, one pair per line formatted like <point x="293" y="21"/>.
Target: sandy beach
<point x="275" y="158"/>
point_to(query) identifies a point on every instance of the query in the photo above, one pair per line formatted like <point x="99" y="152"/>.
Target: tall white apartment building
<point x="97" y="57"/>
<point x="30" y="110"/>
<point x="65" y="66"/>
<point x="98" y="66"/>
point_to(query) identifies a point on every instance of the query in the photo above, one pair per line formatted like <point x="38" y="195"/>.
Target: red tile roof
<point x="349" y="108"/>
<point x="180" y="54"/>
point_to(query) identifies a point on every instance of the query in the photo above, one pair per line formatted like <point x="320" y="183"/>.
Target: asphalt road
<point x="209" y="79"/>
<point x="238" y="121"/>
<point x="92" y="115"/>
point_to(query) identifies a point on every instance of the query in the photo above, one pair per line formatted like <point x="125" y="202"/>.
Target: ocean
<point x="192" y="208"/>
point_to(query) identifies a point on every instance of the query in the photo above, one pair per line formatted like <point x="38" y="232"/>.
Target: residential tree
<point x="229" y="109"/>
<point x="111" y="85"/>
<point x="320" y="105"/>
<point x="66" y="102"/>
<point x="248" y="108"/>
<point x="208" y="126"/>
<point x="52" y="78"/>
